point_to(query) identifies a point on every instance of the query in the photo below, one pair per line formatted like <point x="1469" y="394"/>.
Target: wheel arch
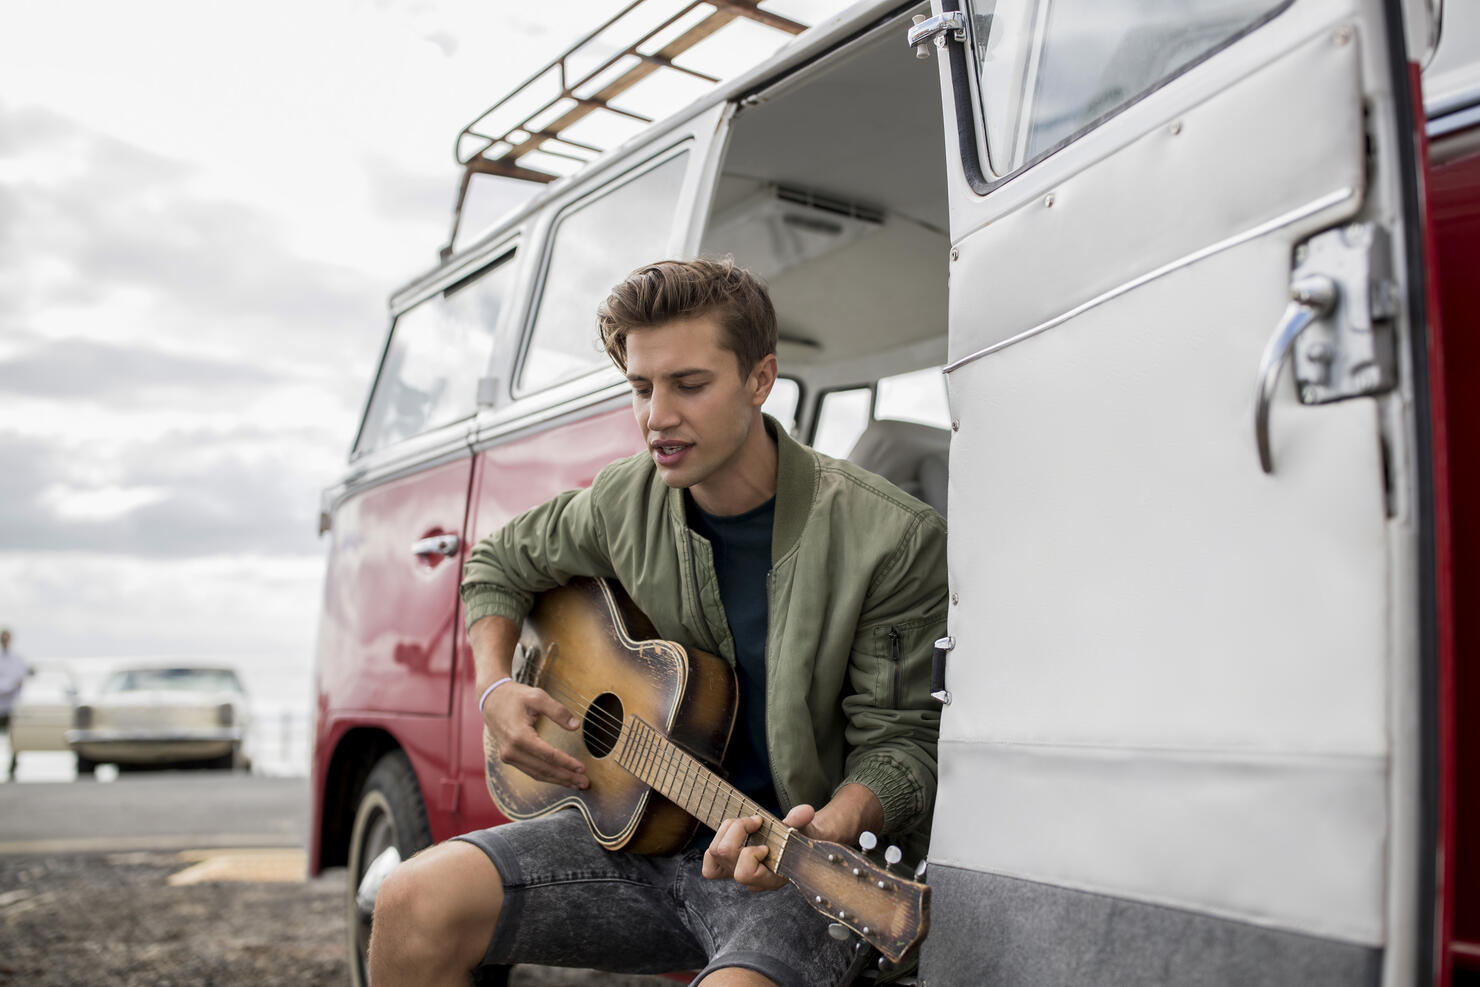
<point x="354" y="756"/>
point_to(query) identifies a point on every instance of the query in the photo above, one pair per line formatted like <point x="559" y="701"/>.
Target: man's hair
<point x="658" y="293"/>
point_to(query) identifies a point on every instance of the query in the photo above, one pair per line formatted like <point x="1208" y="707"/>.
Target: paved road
<point x="155" y="811"/>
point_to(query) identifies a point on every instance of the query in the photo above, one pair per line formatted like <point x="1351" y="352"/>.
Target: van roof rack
<point x="536" y="117"/>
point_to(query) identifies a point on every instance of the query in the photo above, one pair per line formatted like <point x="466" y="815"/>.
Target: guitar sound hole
<point x="602" y="725"/>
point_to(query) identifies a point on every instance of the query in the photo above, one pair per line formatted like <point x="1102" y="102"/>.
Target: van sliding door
<point x="1185" y="739"/>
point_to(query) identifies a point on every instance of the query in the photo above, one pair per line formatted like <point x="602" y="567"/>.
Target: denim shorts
<point x="569" y="902"/>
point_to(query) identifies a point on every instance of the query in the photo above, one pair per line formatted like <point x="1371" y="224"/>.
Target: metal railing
<point x="537" y="115"/>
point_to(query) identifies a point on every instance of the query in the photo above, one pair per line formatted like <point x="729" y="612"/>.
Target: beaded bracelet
<point x="489" y="691"/>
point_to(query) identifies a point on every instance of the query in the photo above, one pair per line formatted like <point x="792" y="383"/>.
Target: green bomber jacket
<point x="857" y="596"/>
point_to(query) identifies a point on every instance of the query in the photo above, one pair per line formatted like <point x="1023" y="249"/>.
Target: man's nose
<point x="662" y="410"/>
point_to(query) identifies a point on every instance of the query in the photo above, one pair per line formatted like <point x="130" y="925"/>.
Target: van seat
<point x="911" y="456"/>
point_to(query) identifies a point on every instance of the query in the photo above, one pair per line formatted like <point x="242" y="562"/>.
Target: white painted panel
<point x="1127" y="575"/>
<point x="1246" y="837"/>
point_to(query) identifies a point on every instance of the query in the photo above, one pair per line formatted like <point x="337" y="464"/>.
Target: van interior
<point x="833" y="190"/>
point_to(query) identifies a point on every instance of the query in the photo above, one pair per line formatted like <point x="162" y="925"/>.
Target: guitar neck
<point x="685" y="781"/>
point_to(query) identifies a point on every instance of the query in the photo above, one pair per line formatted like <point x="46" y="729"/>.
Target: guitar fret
<point x="639" y="751"/>
<point x="708" y="816"/>
<point x="650" y="754"/>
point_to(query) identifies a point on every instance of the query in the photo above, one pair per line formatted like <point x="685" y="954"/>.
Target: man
<point x="822" y="584"/>
<point x="13" y="672"/>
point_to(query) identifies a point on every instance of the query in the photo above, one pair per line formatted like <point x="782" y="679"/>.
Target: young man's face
<point x="693" y="407"/>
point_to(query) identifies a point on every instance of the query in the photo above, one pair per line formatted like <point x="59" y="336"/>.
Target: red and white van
<point x="1170" y="306"/>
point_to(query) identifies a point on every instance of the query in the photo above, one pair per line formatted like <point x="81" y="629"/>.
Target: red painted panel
<point x="387" y="630"/>
<point x="1454" y="203"/>
<point x="509" y="479"/>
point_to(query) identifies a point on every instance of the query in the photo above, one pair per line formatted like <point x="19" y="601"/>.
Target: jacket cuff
<point x="896" y="788"/>
<point x="486" y="601"/>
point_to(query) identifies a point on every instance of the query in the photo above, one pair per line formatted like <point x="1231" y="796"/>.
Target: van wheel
<point x="86" y="767"/>
<point x="390" y="813"/>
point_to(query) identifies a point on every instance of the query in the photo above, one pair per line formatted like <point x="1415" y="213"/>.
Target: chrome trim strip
<point x="1253" y="233"/>
<point x="493" y="432"/>
<point x="1449" y="104"/>
<point x="1450" y="122"/>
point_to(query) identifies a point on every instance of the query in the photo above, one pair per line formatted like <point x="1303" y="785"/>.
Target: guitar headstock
<point x="889" y="910"/>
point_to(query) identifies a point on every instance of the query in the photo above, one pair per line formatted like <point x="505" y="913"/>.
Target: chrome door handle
<point x="1311" y="297"/>
<point x="436" y="545"/>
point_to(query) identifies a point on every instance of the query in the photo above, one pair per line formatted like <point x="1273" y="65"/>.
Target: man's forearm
<point x="493" y="640"/>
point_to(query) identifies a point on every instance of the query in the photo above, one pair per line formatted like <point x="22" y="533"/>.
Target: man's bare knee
<point x="434" y="916"/>
<point x="736" y="976"/>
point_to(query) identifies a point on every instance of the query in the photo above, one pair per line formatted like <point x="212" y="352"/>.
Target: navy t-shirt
<point x="742" y="560"/>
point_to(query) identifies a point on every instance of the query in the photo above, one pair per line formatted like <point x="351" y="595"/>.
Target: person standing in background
<point x="13" y="672"/>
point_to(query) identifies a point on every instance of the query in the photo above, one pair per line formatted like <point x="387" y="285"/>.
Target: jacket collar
<point x="796" y="485"/>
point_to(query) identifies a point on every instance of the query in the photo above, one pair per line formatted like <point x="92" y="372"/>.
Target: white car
<point x="43" y="712"/>
<point x="163" y="716"/>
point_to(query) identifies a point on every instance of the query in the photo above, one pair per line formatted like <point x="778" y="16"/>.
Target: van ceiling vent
<point x="777" y="228"/>
<point x="828" y="204"/>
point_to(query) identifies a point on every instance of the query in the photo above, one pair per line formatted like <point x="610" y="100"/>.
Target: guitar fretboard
<point x="684" y="780"/>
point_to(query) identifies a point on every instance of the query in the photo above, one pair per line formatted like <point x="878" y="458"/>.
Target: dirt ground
<point x="81" y="919"/>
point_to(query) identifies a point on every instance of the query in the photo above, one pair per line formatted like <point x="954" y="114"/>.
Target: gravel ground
<point x="74" y="919"/>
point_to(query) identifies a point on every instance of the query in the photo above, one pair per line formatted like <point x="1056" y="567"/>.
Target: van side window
<point x="595" y="246"/>
<point x="438" y="349"/>
<point x="1050" y="69"/>
<point x="781" y="403"/>
<point x="916" y="396"/>
<point x="841" y="419"/>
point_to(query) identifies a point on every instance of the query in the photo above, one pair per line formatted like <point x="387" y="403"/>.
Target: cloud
<point x="92" y="221"/>
<point x="90" y="370"/>
<point x="184" y="495"/>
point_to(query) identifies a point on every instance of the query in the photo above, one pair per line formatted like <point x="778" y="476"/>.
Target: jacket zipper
<point x="894" y="670"/>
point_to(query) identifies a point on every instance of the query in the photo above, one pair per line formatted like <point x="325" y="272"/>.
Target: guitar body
<point x="590" y="648"/>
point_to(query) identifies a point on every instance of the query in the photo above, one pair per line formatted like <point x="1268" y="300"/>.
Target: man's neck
<point x="747" y="482"/>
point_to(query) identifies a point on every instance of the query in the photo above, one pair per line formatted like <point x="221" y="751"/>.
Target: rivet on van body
<point x="1175" y="128"/>
<point x="955" y="254"/>
<point x="1048" y="201"/>
<point x="955" y="424"/>
<point x="955" y="599"/>
<point x="1342" y="36"/>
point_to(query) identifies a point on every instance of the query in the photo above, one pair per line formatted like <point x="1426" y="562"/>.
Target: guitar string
<point x="689" y="766"/>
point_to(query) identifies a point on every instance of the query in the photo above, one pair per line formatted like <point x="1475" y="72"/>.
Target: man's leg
<point x="434" y="917"/>
<point x="736" y="977"/>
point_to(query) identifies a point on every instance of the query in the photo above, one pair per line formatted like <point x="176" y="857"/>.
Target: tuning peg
<point x="867" y="841"/>
<point x="920" y="870"/>
<point x="838" y="931"/>
<point x="893" y="855"/>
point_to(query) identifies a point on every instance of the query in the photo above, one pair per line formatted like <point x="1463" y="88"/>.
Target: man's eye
<point x="690" y="388"/>
<point x="641" y="392"/>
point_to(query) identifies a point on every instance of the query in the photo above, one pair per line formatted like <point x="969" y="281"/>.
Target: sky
<point x="203" y="210"/>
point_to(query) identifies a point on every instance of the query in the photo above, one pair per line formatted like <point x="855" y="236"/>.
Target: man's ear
<point x="763" y="378"/>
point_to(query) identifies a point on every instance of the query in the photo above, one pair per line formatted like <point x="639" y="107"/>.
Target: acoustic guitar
<point x="655" y="720"/>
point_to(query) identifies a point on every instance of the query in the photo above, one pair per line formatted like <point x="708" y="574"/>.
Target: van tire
<point x="86" y="767"/>
<point x="389" y="812"/>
